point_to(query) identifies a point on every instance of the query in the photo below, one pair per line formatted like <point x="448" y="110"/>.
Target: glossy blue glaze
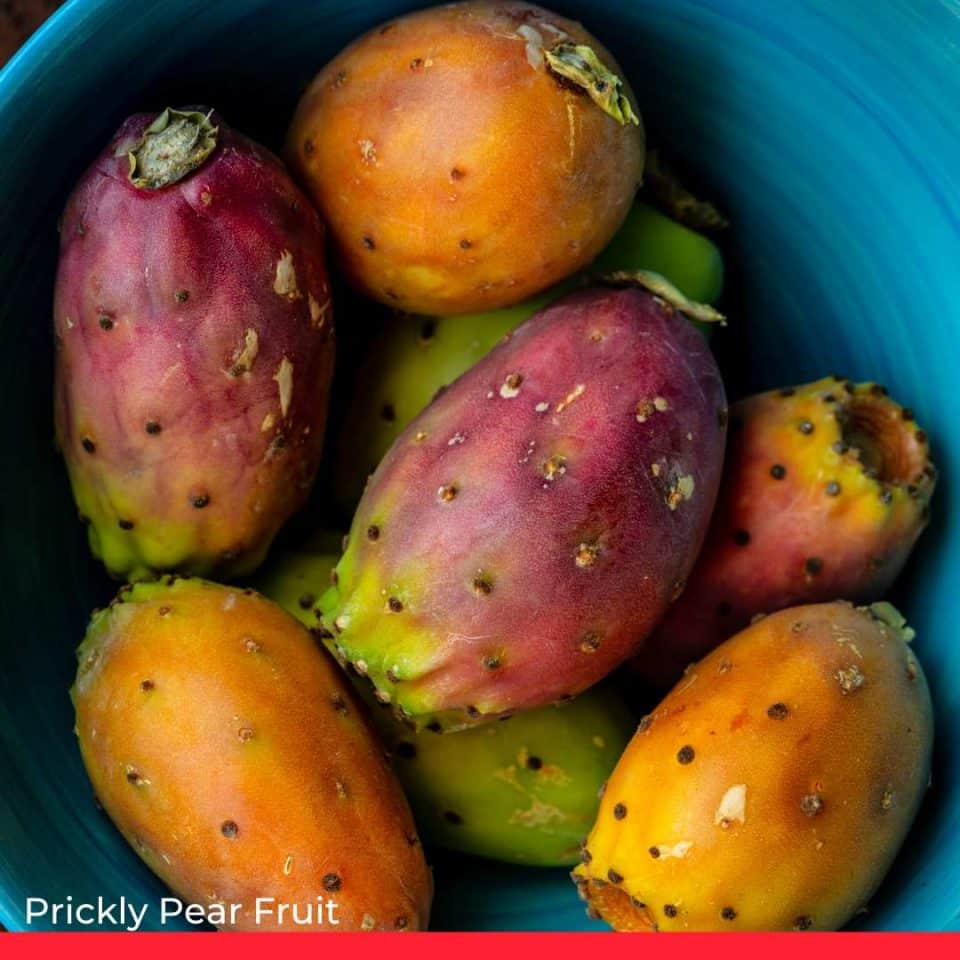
<point x="828" y="129"/>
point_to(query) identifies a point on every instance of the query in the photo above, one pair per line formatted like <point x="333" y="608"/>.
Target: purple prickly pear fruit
<point x="825" y="490"/>
<point x="194" y="334"/>
<point x="528" y="529"/>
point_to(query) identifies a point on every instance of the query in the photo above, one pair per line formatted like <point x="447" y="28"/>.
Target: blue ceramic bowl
<point x="830" y="131"/>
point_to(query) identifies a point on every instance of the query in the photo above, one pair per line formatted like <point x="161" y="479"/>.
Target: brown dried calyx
<point x="670" y="195"/>
<point x="174" y="145"/>
<point x="885" y="439"/>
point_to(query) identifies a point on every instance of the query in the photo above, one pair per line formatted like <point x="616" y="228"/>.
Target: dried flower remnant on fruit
<point x="578" y="64"/>
<point x="174" y="145"/>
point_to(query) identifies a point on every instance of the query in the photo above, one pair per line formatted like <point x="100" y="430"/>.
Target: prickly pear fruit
<point x="296" y="579"/>
<point x="525" y="791"/>
<point x="238" y="762"/>
<point x="194" y="335"/>
<point x="468" y="156"/>
<point x="650" y="240"/>
<point x="825" y="490"/>
<point x="522" y="792"/>
<point x="409" y="358"/>
<point x="406" y="361"/>
<point x="528" y="529"/>
<point x="773" y="786"/>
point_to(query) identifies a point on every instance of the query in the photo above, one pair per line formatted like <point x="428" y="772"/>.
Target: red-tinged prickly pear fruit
<point x="408" y="359"/>
<point x="773" y="786"/>
<point x="194" y="331"/>
<point x="235" y="758"/>
<point x="825" y="491"/>
<point x="528" y="529"/>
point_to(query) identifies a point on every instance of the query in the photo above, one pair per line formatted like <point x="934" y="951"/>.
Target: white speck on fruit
<point x="246" y="352"/>
<point x="318" y="311"/>
<point x="285" y="281"/>
<point x="534" y="45"/>
<point x="678" y="850"/>
<point x="733" y="807"/>
<point x="850" y="679"/>
<point x="570" y="397"/>
<point x="368" y="152"/>
<point x="267" y="424"/>
<point x="284" y="379"/>
<point x="510" y="387"/>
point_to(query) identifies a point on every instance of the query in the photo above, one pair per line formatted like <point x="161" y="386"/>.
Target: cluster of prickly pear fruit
<point x="544" y="477"/>
<point x="826" y="489"/>
<point x="194" y="347"/>
<point x="409" y="359"/>
<point x="521" y="792"/>
<point x="530" y="527"/>
<point x="236" y="759"/>
<point x="805" y="740"/>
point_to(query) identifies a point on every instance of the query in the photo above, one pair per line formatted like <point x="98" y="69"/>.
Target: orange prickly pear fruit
<point x="773" y="786"/>
<point x="233" y="755"/>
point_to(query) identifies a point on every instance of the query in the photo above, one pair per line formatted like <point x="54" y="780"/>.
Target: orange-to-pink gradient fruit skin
<point x="530" y="527"/>
<point x="234" y="757"/>
<point x="826" y="488"/>
<point x="194" y="356"/>
<point x="773" y="786"/>
<point x="456" y="171"/>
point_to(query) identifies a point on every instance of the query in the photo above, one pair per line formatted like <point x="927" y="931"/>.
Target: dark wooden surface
<point x="18" y="19"/>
